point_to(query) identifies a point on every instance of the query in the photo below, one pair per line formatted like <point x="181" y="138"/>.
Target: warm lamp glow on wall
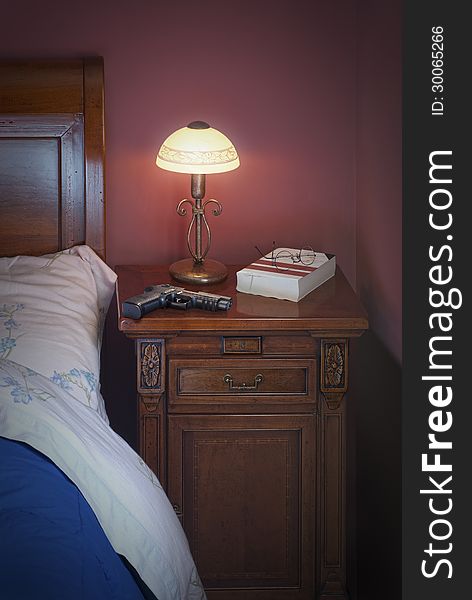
<point x="198" y="149"/>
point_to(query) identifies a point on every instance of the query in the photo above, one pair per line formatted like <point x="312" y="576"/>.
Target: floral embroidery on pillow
<point x="85" y="380"/>
<point x="8" y="342"/>
<point x="22" y="391"/>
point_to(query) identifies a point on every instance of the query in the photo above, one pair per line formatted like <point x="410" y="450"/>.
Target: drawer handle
<point x="244" y="387"/>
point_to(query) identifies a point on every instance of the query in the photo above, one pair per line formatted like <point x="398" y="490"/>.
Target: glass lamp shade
<point x="197" y="149"/>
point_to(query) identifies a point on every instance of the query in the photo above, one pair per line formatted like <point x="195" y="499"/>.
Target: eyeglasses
<point x="285" y="258"/>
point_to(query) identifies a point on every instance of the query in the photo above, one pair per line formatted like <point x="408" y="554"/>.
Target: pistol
<point x="166" y="295"/>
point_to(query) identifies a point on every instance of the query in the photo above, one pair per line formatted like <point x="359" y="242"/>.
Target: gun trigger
<point x="182" y="302"/>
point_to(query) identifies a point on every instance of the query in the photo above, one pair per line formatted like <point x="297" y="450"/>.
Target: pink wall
<point x="309" y="92"/>
<point x="278" y="77"/>
<point x="379" y="169"/>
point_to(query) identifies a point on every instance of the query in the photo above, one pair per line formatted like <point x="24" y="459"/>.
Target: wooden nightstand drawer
<point x="242" y="381"/>
<point x="243" y="344"/>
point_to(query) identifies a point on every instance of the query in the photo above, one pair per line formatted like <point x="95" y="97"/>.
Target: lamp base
<point x="207" y="272"/>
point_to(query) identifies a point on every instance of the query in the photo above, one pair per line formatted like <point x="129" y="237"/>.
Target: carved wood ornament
<point x="151" y="363"/>
<point x="334" y="363"/>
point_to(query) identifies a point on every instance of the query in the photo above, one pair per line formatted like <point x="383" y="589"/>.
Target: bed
<point x="81" y="515"/>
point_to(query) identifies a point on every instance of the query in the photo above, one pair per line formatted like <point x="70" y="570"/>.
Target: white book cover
<point x="286" y="277"/>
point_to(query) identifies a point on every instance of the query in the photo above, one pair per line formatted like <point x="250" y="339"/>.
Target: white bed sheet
<point x="125" y="495"/>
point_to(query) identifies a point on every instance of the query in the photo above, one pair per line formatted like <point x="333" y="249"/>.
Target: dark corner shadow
<point x="118" y="377"/>
<point x="374" y="459"/>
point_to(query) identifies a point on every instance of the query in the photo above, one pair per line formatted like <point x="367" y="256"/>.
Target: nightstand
<point x="242" y="416"/>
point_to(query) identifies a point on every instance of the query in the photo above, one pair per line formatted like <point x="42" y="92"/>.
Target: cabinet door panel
<point x="245" y="486"/>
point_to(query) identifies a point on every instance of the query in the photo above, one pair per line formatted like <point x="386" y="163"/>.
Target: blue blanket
<point x="51" y="544"/>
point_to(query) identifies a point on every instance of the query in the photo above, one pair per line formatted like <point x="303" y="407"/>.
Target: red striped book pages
<point x="278" y="275"/>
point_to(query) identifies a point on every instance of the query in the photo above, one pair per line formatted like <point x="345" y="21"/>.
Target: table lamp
<point x="198" y="149"/>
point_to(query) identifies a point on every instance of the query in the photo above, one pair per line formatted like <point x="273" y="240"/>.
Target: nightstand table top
<point x="331" y="307"/>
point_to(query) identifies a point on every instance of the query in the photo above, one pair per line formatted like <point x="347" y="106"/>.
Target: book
<point x="286" y="277"/>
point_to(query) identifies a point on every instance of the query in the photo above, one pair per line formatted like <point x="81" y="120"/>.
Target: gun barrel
<point x="209" y="301"/>
<point x="224" y="303"/>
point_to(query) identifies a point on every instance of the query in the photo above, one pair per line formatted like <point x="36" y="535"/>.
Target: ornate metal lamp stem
<point x="198" y="218"/>
<point x="198" y="191"/>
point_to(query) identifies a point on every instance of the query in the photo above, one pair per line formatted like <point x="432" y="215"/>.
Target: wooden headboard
<point x="52" y="192"/>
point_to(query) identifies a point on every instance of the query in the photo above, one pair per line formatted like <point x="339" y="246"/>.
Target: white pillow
<point x="52" y="310"/>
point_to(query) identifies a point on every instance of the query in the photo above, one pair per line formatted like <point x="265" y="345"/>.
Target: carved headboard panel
<point x="51" y="156"/>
